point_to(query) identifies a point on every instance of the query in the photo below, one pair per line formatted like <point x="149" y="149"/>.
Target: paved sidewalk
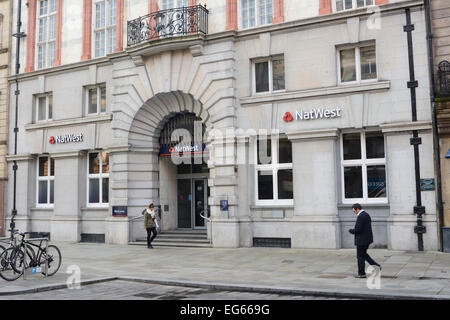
<point x="329" y="272"/>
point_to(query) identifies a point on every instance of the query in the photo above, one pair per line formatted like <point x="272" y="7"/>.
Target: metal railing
<point x="209" y="220"/>
<point x="444" y="78"/>
<point x="168" y="23"/>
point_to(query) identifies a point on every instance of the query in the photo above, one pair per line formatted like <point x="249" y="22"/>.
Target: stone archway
<point x="148" y="91"/>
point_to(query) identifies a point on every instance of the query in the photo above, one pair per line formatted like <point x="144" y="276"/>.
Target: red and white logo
<point x="52" y="140"/>
<point x="288" y="117"/>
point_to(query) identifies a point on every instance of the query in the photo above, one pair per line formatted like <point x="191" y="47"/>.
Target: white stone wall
<point x="213" y="80"/>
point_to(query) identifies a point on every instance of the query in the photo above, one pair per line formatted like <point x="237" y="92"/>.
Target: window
<point x="46" y="37"/>
<point x="98" y="178"/>
<point x="274" y="184"/>
<point x="44" y="107"/>
<point x="45" y="181"/>
<point x="256" y="13"/>
<point x="357" y="64"/>
<point x="363" y="167"/>
<point x="96" y="99"/>
<point x="341" y="5"/>
<point x="268" y="75"/>
<point x="170" y="4"/>
<point x="104" y="27"/>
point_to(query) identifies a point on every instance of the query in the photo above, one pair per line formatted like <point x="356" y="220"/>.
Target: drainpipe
<point x="436" y="146"/>
<point x="18" y="35"/>
<point x="415" y="141"/>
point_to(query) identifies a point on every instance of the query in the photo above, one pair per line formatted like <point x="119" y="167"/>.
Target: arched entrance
<point x="150" y="88"/>
<point x="183" y="173"/>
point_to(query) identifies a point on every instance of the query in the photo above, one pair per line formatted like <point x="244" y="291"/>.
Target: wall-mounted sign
<point x="119" y="211"/>
<point x="66" y="138"/>
<point x="426" y="184"/>
<point x="448" y="154"/>
<point x="180" y="149"/>
<point x="313" y="114"/>
<point x="223" y="205"/>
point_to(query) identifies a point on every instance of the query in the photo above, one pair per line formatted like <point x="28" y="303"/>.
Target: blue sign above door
<point x="165" y="151"/>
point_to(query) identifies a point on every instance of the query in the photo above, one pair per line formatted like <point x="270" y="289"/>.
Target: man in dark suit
<point x="363" y="238"/>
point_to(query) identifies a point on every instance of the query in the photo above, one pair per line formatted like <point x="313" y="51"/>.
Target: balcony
<point x="168" y="23"/>
<point x="444" y="78"/>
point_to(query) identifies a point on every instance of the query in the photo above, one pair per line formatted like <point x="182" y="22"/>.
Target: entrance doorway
<point x="184" y="187"/>
<point x="192" y="197"/>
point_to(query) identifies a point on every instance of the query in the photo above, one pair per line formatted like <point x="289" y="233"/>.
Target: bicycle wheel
<point x="10" y="261"/>
<point x="28" y="259"/>
<point x="53" y="256"/>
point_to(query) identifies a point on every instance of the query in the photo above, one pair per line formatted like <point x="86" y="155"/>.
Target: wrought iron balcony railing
<point x="444" y="78"/>
<point x="168" y="23"/>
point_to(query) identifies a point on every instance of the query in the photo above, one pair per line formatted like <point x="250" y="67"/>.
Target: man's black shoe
<point x="150" y="247"/>
<point x="360" y="276"/>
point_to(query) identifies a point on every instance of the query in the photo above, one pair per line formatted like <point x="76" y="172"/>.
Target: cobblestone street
<point x="130" y="290"/>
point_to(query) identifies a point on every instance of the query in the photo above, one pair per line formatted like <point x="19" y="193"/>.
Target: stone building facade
<point x="5" y="32"/>
<point x="310" y="96"/>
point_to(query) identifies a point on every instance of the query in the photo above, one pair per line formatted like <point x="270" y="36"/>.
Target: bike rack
<point x="46" y="262"/>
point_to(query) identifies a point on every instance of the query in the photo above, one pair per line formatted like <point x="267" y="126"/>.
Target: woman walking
<point x="149" y="224"/>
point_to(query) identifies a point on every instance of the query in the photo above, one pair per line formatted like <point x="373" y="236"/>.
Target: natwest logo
<point x="288" y="117"/>
<point x="66" y="138"/>
<point x="313" y="114"/>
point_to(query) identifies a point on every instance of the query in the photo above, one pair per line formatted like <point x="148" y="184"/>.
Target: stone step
<point x="181" y="231"/>
<point x="172" y="244"/>
<point x="178" y="238"/>
<point x="158" y="239"/>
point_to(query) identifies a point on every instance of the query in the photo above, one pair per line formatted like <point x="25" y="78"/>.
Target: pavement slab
<point x="406" y="274"/>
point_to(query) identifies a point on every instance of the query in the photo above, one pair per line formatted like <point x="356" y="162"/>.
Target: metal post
<point x="18" y="35"/>
<point x="415" y="140"/>
<point x="46" y="260"/>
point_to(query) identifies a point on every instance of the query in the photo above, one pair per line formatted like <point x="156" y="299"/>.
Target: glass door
<point x="200" y="203"/>
<point x="184" y="203"/>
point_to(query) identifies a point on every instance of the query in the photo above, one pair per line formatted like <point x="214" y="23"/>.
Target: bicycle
<point x="15" y="261"/>
<point x="8" y="257"/>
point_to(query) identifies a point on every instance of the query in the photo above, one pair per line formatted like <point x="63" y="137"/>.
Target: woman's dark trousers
<point x="151" y="234"/>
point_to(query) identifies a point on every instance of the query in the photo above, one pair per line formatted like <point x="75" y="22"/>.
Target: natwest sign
<point x="66" y="138"/>
<point x="313" y="114"/>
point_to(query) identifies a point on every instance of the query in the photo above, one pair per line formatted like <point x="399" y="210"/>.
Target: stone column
<point x="223" y="184"/>
<point x="402" y="189"/>
<point x="65" y="224"/>
<point x="134" y="184"/>
<point x="315" y="189"/>
<point x="26" y="174"/>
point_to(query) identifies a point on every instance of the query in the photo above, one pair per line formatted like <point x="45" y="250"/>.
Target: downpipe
<point x="415" y="141"/>
<point x="436" y="145"/>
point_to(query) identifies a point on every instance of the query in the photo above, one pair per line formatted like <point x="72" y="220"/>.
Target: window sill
<point x="42" y="209"/>
<point x="318" y="92"/>
<point x="95" y="208"/>
<point x="364" y="205"/>
<point x="271" y="207"/>
<point x="66" y="122"/>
